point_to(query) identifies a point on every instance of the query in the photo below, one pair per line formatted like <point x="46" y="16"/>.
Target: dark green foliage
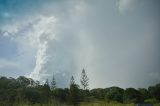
<point x="60" y="94"/>
<point x="98" y="93"/>
<point x="8" y="90"/>
<point x="32" y="95"/>
<point x="132" y="95"/>
<point x="145" y="93"/>
<point x="23" y="90"/>
<point x="155" y="91"/>
<point x="73" y="93"/>
<point x="23" y="81"/>
<point x="45" y="92"/>
<point x="27" y="91"/>
<point x="8" y="83"/>
<point x="114" y="94"/>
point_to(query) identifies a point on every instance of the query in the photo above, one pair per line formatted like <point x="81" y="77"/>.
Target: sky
<point x="115" y="41"/>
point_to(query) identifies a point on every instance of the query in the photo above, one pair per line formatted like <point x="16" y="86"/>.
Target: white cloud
<point x="32" y="36"/>
<point x="35" y="37"/>
<point x="49" y="43"/>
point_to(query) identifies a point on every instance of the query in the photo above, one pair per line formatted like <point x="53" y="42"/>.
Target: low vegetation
<point x="27" y="92"/>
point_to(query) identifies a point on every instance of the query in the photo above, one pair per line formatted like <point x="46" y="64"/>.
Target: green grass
<point x="157" y="104"/>
<point x="105" y="104"/>
<point x="98" y="103"/>
<point x="110" y="104"/>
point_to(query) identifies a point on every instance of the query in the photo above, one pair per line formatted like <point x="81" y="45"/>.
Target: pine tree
<point x="84" y="80"/>
<point x="53" y="83"/>
<point x="47" y="83"/>
<point x="72" y="81"/>
<point x="74" y="93"/>
<point x="46" y="91"/>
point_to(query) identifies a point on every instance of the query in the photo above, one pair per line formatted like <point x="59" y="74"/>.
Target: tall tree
<point x="72" y="81"/>
<point x="47" y="82"/>
<point x="53" y="83"/>
<point x="84" y="80"/>
<point x="74" y="93"/>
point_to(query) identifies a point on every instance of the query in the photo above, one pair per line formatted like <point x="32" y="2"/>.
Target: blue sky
<point x="116" y="41"/>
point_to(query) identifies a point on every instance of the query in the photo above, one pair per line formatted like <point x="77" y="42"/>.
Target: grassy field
<point x="105" y="104"/>
<point x="98" y="103"/>
<point x="89" y="104"/>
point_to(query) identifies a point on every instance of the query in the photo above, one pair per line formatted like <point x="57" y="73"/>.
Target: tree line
<point x="27" y="91"/>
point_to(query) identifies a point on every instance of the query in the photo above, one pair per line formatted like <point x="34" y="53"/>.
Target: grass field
<point x="90" y="104"/>
<point x="105" y="104"/>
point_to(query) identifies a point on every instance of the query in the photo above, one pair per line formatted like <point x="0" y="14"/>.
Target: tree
<point x="31" y="95"/>
<point x="155" y="91"/>
<point x="45" y="91"/>
<point x="132" y="95"/>
<point x="114" y="94"/>
<point x="53" y="83"/>
<point x="47" y="82"/>
<point x="74" y="92"/>
<point x="99" y="93"/>
<point x="23" y="81"/>
<point x="84" y="80"/>
<point x="72" y="81"/>
<point x="60" y="94"/>
<point x="144" y="92"/>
